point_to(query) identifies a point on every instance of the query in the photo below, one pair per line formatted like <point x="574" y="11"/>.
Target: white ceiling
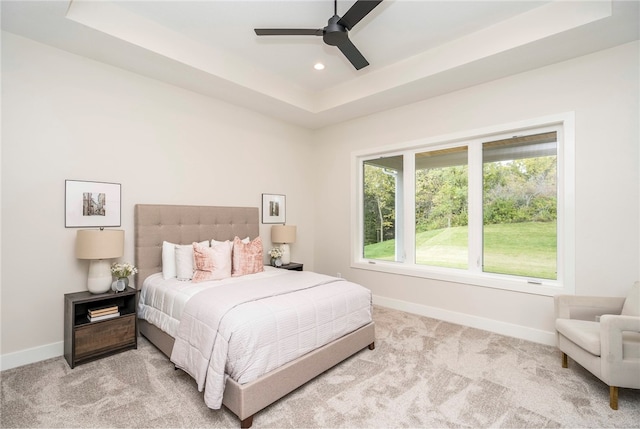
<point x="417" y="48"/>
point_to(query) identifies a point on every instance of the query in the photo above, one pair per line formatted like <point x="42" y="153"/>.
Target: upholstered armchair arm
<point x="586" y="307"/>
<point x="618" y="369"/>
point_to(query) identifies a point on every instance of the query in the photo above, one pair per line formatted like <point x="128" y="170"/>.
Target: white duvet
<point x="247" y="326"/>
<point x="161" y="302"/>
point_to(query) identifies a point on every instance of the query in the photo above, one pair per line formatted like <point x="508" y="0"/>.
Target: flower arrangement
<point x="275" y="252"/>
<point x="123" y="269"/>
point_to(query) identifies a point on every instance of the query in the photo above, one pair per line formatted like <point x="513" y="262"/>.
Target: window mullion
<point x="409" y="212"/>
<point x="475" y="206"/>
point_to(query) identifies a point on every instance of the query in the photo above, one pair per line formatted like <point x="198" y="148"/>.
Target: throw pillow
<point x="247" y="257"/>
<point x="184" y="260"/>
<point x="212" y="263"/>
<point x="631" y="305"/>
<point x="168" y="260"/>
<point x="215" y="242"/>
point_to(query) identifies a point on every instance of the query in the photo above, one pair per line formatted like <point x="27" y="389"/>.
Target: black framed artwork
<point x="92" y="204"/>
<point x="273" y="208"/>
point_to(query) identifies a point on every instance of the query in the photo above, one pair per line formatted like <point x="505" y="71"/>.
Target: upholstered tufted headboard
<point x="183" y="225"/>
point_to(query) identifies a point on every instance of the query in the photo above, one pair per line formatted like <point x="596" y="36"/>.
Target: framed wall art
<point x="273" y="208"/>
<point x="91" y="204"/>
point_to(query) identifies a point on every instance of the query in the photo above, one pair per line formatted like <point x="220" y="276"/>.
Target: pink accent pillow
<point x="247" y="257"/>
<point x="212" y="263"/>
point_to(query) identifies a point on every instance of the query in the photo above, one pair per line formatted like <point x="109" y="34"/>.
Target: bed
<point x="155" y="224"/>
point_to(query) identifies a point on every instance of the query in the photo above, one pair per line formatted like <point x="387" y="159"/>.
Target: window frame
<point x="563" y="123"/>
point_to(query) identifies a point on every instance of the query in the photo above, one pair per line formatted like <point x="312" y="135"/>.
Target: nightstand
<point x="85" y="340"/>
<point x="293" y="266"/>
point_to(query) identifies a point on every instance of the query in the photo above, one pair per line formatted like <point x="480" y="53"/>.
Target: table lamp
<point x="284" y="234"/>
<point x="99" y="245"/>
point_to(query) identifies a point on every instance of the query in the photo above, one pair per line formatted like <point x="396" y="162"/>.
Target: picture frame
<point x="274" y="208"/>
<point x="92" y="204"/>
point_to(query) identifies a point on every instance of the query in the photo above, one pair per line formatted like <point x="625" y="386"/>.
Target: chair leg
<point x="565" y="363"/>
<point x="613" y="397"/>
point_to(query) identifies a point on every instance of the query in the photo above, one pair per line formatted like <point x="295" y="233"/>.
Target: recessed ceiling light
<point x="319" y="66"/>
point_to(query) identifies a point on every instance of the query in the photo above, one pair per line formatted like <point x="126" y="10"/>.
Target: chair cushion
<point x="631" y="305"/>
<point x="584" y="333"/>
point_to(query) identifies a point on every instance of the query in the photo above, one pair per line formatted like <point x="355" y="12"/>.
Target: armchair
<point x="603" y="335"/>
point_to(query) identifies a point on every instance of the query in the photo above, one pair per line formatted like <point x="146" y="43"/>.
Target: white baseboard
<point x="35" y="354"/>
<point x="503" y="328"/>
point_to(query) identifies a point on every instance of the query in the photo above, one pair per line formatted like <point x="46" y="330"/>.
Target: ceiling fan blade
<point x="353" y="54"/>
<point x="288" y="32"/>
<point x="359" y="10"/>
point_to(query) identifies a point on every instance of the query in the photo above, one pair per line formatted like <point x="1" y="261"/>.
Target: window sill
<point x="495" y="281"/>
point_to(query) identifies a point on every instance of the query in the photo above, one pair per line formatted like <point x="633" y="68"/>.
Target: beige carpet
<point x="423" y="373"/>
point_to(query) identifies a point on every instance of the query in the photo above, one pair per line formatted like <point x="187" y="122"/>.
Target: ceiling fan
<point x="336" y="33"/>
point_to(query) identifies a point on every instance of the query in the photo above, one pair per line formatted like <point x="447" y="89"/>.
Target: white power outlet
<point x="339" y="275"/>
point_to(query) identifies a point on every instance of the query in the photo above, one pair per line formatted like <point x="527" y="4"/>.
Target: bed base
<point x="245" y="400"/>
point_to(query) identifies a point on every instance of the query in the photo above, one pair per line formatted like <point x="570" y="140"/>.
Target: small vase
<point x="120" y="284"/>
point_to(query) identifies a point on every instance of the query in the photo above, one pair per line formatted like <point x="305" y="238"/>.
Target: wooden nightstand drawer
<point x="108" y="335"/>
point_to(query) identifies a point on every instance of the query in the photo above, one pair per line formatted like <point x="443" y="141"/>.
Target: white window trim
<point x="566" y="211"/>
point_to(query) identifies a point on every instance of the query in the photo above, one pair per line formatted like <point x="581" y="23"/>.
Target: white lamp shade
<point x="99" y="244"/>
<point x="283" y="234"/>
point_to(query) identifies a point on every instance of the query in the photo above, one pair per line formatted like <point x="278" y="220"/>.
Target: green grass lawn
<point x="524" y="249"/>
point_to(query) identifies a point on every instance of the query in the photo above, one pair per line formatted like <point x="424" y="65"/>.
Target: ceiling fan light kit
<point x="336" y="33"/>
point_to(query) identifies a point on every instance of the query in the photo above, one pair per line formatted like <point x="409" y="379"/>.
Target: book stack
<point x="102" y="313"/>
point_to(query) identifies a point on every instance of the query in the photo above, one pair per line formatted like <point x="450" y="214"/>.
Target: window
<point x="382" y="200"/>
<point x="441" y="207"/>
<point x="490" y="207"/>
<point x="519" y="205"/>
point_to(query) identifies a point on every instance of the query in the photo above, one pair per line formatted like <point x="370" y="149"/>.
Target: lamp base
<point x="286" y="254"/>
<point x="99" y="279"/>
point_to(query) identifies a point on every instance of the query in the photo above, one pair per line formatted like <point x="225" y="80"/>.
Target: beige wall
<point x="602" y="89"/>
<point x="67" y="117"/>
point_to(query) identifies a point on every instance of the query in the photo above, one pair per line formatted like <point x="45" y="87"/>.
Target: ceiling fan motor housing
<point x="334" y="33"/>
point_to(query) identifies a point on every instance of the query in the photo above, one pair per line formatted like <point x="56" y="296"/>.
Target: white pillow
<point x="216" y="243"/>
<point x="184" y="262"/>
<point x="631" y="305"/>
<point x="169" y="260"/>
